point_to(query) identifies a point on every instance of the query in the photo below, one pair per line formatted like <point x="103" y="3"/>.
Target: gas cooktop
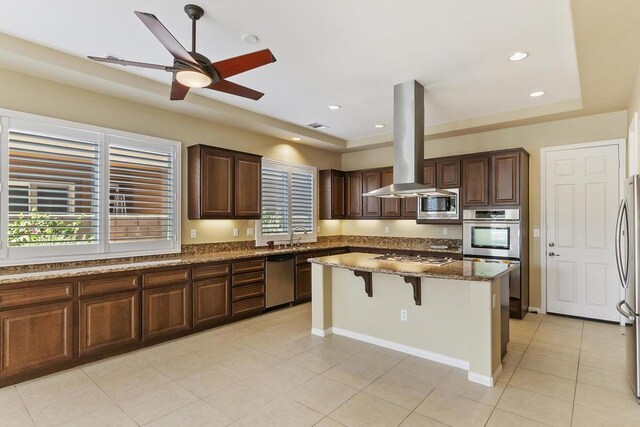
<point x="416" y="259"/>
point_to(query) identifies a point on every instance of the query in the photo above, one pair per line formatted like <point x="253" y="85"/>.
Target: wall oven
<point x="436" y="206"/>
<point x="493" y="233"/>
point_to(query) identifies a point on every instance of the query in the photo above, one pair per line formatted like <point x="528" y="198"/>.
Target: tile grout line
<point x="575" y="390"/>
<point x="109" y="397"/>
<point x="24" y="405"/>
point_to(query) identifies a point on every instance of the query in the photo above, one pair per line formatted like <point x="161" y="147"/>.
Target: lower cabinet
<point x="35" y="337"/>
<point x="211" y="301"/>
<point x="165" y="310"/>
<point x="303" y="282"/>
<point x="108" y="321"/>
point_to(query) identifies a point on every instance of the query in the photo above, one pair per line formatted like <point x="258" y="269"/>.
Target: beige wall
<point x="532" y="138"/>
<point x="43" y="97"/>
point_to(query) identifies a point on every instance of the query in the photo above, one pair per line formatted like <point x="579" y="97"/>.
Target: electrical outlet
<point x="445" y="231"/>
<point x="235" y="232"/>
<point x="386" y="230"/>
<point x="403" y="314"/>
<point x="194" y="233"/>
<point x="318" y="229"/>
<point x="250" y="231"/>
<point x="536" y="232"/>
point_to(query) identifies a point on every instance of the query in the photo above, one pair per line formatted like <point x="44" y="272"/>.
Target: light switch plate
<point x="403" y="314"/>
<point x="536" y="232"/>
<point x="235" y="232"/>
<point x="386" y="230"/>
<point x="445" y="231"/>
<point x="194" y="233"/>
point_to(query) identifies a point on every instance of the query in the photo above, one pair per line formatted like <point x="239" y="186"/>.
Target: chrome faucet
<point x="299" y="237"/>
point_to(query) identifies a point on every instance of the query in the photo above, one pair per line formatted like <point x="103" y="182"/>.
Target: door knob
<point x="553" y="254"/>
<point x="551" y="244"/>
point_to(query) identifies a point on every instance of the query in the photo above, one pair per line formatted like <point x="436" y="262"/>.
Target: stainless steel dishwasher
<point x="280" y="279"/>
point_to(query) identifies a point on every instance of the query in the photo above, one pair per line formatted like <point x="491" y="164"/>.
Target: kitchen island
<point x="455" y="313"/>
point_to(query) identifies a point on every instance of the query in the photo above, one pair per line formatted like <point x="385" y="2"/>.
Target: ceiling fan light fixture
<point x="193" y="79"/>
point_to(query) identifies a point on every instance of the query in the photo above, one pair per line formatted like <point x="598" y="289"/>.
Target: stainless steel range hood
<point x="408" y="145"/>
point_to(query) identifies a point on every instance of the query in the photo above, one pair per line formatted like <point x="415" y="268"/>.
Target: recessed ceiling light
<point x="518" y="56"/>
<point x="296" y="138"/>
<point x="536" y="94"/>
<point x="250" y="38"/>
<point x="334" y="107"/>
<point x="378" y="126"/>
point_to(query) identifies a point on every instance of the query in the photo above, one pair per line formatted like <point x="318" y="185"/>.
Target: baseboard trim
<point x="484" y="379"/>
<point x="535" y="310"/>
<point x="424" y="354"/>
<point x="320" y="332"/>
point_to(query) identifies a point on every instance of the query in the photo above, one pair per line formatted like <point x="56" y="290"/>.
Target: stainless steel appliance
<point x="626" y="248"/>
<point x="280" y="280"/>
<point x="439" y="206"/>
<point x="417" y="259"/>
<point x="493" y="233"/>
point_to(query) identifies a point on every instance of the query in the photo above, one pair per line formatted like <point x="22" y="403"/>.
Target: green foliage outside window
<point x="38" y="228"/>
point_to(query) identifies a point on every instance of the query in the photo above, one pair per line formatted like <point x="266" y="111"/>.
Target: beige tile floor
<point x="268" y="371"/>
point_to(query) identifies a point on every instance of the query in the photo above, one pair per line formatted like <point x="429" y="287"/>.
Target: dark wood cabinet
<point x="303" y="282"/>
<point x="223" y="184"/>
<point x="448" y="173"/>
<point x="35" y="337"/>
<point x="331" y="185"/>
<point x="475" y="181"/>
<point x="505" y="179"/>
<point x="248" y="287"/>
<point x="371" y="205"/>
<point x="430" y="173"/>
<point x="410" y="204"/>
<point x="390" y="207"/>
<point x="165" y="310"/>
<point x="211" y="300"/>
<point x="353" y="199"/>
<point x="108" y="321"/>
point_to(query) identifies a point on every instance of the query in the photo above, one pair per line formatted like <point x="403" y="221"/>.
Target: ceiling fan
<point x="191" y="69"/>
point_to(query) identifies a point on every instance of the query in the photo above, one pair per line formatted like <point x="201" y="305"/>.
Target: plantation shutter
<point x="302" y="200"/>
<point x="275" y="202"/>
<point x="53" y="185"/>
<point x="141" y="193"/>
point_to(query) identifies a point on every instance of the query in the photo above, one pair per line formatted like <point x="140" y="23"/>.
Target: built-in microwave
<point x="436" y="206"/>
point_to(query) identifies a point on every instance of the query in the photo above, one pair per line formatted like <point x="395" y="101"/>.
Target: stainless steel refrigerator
<point x="627" y="248"/>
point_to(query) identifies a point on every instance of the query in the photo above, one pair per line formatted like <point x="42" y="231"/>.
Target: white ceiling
<point x="340" y="52"/>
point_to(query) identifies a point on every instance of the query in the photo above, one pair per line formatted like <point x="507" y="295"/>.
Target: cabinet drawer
<point x="247" y="278"/>
<point x="248" y="305"/>
<point x="166" y="277"/>
<point x="247" y="266"/>
<point x="249" y="291"/>
<point x="107" y="284"/>
<point x="302" y="258"/>
<point x="207" y="271"/>
<point x="35" y="294"/>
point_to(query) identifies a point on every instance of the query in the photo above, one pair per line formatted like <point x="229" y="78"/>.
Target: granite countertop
<point x="457" y="270"/>
<point x="8" y="278"/>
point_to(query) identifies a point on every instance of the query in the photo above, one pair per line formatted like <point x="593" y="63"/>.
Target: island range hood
<point x="408" y="145"/>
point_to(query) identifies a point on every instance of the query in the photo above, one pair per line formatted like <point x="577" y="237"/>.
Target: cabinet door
<point x="216" y="192"/>
<point x="303" y="282"/>
<point x="337" y="195"/>
<point x="35" y="337"/>
<point x="448" y="174"/>
<point x="354" y="195"/>
<point x="371" y="205"/>
<point x="165" y="310"/>
<point x="390" y="207"/>
<point x="211" y="302"/>
<point x="430" y="174"/>
<point x="505" y="177"/>
<point x="108" y="321"/>
<point x="475" y="181"/>
<point x="247" y="186"/>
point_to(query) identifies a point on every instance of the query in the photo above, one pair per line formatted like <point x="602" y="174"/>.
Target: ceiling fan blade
<point x="178" y="90"/>
<point x="166" y="38"/>
<point x="235" y="89"/>
<point x="118" y="61"/>
<point x="240" y="64"/>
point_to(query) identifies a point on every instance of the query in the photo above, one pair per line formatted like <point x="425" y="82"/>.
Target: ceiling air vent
<point x="317" y="125"/>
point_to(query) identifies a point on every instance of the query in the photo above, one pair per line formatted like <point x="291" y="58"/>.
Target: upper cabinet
<point x="390" y="207"/>
<point x="448" y="173"/>
<point x="223" y="184"/>
<point x="505" y="178"/>
<point x="475" y="181"/>
<point x="372" y="180"/>
<point x="331" y="184"/>
<point x="353" y="197"/>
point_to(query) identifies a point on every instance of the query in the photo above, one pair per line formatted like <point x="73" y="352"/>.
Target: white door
<point x="582" y="195"/>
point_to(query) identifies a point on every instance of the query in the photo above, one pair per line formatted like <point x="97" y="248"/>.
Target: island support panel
<point x="458" y="323"/>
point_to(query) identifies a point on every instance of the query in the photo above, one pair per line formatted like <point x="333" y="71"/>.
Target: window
<point x="288" y="203"/>
<point x="77" y="192"/>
